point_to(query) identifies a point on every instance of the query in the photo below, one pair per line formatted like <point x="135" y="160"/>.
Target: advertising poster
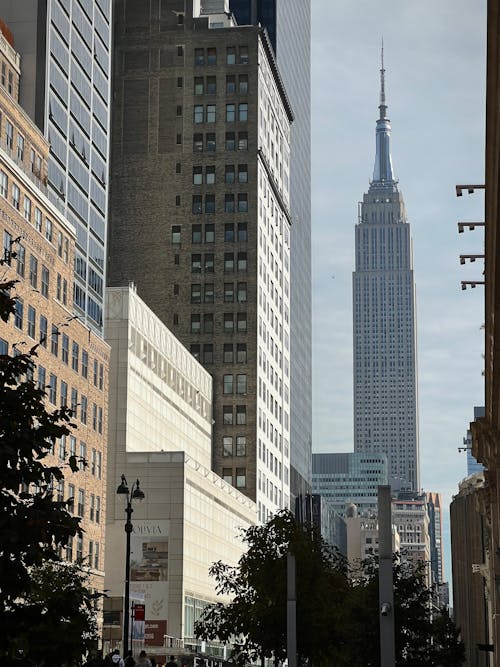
<point x="149" y="576"/>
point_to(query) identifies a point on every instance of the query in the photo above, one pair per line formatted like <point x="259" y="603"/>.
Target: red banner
<point x="139" y="612"/>
<point x="155" y="633"/>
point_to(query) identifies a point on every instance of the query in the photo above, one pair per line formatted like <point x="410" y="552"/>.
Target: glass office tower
<point x="288" y="23"/>
<point x="65" y="48"/>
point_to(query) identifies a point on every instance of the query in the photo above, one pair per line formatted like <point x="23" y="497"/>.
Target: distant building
<point x="317" y="510"/>
<point x="471" y="559"/>
<point x="411" y="518"/>
<point x="384" y="316"/>
<point x="350" y="478"/>
<point x="160" y="432"/>
<point x="362" y="537"/>
<point x="434" y="511"/>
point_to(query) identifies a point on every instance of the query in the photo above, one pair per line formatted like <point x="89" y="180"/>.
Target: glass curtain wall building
<point x="65" y="48"/>
<point x="288" y="23"/>
<point x="350" y="478"/>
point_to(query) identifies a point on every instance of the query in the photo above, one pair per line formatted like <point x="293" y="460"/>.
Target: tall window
<point x="9" y="134"/>
<point x="33" y="271"/>
<point x="21" y="258"/>
<point x="4" y="184"/>
<point x="228" y="384"/>
<point x="65" y="348"/>
<point x="16" y="196"/>
<point x="53" y="389"/>
<point x="243" y="111"/>
<point x="54" y="340"/>
<point x="18" y="314"/>
<point x="45" y="282"/>
<point x="31" y="321"/>
<point x="75" y="357"/>
<point x="43" y="331"/>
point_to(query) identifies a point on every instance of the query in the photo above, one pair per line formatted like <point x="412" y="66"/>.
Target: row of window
<point x="204" y="323"/>
<point x="232" y="174"/>
<point x="232" y="262"/>
<point x="232" y="353"/>
<point x="229" y="417"/>
<point x="53" y="386"/>
<point x="74" y="551"/>
<point x="42" y="285"/>
<point x="206" y="233"/>
<point x="67" y="446"/>
<point x="78" y="364"/>
<point x="235" y="476"/>
<point x="236" y="446"/>
<point x="234" y="56"/>
<point x="208" y="85"/>
<point x="204" y="293"/>
<point x="207" y="113"/>
<point x="234" y="384"/>
<point x="35" y="159"/>
<point x="7" y="78"/>
<point x="232" y="203"/>
<point x="34" y="214"/>
<point x="233" y="141"/>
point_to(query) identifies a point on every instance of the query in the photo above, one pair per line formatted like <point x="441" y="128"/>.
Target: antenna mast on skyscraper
<point x="382" y="105"/>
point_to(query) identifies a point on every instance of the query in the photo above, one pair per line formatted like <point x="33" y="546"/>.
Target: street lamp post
<point x="135" y="493"/>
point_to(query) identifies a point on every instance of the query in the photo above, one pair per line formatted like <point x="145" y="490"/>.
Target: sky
<point x="434" y="56"/>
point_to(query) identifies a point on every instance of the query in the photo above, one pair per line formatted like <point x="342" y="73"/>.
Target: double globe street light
<point x="135" y="493"/>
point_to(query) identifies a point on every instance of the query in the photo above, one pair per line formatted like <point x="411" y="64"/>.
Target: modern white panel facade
<point x="273" y="308"/>
<point x="160" y="429"/>
<point x="384" y="312"/>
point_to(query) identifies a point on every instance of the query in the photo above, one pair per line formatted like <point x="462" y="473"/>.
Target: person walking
<point x="143" y="661"/>
<point x="116" y="659"/>
<point x="129" y="660"/>
<point x="171" y="662"/>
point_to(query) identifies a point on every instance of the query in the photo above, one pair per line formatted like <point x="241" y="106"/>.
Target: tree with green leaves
<point x="34" y="525"/>
<point x="337" y="611"/>
<point x="424" y="634"/>
<point x="254" y="622"/>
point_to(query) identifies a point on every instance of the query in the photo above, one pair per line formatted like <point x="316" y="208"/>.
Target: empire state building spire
<point x="383" y="173"/>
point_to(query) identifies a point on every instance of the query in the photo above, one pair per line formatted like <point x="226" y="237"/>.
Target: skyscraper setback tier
<point x="385" y="354"/>
<point x="200" y="219"/>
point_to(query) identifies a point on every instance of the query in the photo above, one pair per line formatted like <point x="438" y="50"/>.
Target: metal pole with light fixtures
<point x="135" y="493"/>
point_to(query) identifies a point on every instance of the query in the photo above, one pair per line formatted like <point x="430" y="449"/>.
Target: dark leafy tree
<point x="255" y="620"/>
<point x="62" y="613"/>
<point x="34" y="525"/>
<point x="424" y="634"/>
<point x="337" y="615"/>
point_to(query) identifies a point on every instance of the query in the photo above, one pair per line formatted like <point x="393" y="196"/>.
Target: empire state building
<point x="384" y="321"/>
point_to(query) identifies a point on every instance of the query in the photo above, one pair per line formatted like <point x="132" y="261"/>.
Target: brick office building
<point x="72" y="361"/>
<point x="199" y="217"/>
